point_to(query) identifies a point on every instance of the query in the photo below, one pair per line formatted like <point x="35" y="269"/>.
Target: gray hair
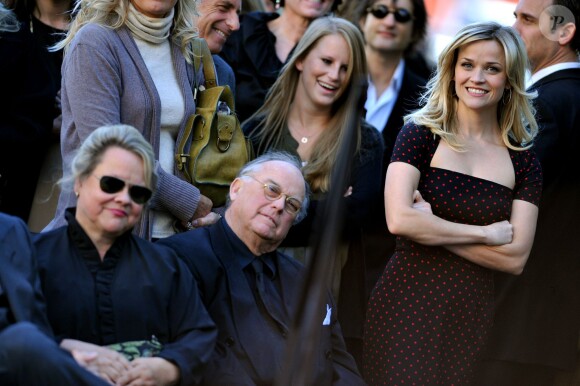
<point x="281" y="156"/>
<point x="94" y="146"/>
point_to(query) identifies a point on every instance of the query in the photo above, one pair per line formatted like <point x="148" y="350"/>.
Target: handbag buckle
<point x="224" y="139"/>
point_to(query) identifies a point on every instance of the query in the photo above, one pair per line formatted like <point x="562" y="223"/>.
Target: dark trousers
<point x="29" y="357"/>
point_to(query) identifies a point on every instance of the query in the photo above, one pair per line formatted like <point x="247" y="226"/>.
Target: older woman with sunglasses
<point x="105" y="286"/>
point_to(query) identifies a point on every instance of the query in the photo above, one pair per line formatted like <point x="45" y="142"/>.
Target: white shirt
<point x="544" y="72"/>
<point x="379" y="107"/>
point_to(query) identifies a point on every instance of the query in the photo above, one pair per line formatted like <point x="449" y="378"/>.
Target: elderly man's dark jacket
<point x="224" y="288"/>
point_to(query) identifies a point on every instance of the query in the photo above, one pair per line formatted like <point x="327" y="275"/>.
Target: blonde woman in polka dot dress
<point x="461" y="194"/>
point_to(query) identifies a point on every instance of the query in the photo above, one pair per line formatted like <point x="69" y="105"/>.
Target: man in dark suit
<point x="251" y="290"/>
<point x="216" y="21"/>
<point x="537" y="320"/>
<point x="28" y="353"/>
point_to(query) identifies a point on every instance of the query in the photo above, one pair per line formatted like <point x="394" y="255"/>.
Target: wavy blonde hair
<point x="113" y="14"/>
<point x="273" y="115"/>
<point x="515" y="113"/>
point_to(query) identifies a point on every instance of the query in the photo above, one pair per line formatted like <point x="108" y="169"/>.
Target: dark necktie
<point x="268" y="294"/>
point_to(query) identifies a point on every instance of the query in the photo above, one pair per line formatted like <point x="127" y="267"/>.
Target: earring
<point x="77" y="194"/>
<point x="278" y="4"/>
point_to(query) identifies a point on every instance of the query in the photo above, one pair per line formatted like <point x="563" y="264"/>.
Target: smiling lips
<point x="118" y="212"/>
<point x="476" y="91"/>
<point x="221" y="33"/>
<point x="327" y="86"/>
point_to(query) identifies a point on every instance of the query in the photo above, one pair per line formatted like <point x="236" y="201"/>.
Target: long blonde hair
<point x="273" y="115"/>
<point x="113" y="14"/>
<point x="515" y="113"/>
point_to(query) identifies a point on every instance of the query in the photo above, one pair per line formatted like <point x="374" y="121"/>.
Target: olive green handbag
<point x="213" y="148"/>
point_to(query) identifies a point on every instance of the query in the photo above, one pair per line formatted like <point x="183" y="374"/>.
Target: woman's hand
<point x="203" y="207"/>
<point x="210" y="219"/>
<point x="150" y="372"/>
<point x="499" y="233"/>
<point x="101" y="361"/>
<point x="420" y="204"/>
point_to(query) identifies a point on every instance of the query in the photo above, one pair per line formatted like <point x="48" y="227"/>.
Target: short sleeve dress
<point x="430" y="313"/>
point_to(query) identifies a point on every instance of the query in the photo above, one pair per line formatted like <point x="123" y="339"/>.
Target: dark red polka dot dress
<point x="431" y="311"/>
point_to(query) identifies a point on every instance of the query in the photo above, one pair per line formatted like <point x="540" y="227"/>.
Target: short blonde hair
<point x="123" y="136"/>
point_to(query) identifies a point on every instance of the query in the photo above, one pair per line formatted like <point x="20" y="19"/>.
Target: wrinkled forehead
<point x="283" y="174"/>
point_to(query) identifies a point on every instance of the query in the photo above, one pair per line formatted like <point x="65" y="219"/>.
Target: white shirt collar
<point x="544" y="72"/>
<point x="379" y="107"/>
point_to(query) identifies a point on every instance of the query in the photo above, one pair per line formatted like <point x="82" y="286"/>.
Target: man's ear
<point x="235" y="187"/>
<point x="567" y="33"/>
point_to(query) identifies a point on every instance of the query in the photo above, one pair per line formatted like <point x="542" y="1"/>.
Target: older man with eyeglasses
<point x="251" y="290"/>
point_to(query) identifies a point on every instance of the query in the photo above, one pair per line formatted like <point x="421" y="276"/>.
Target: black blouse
<point x="139" y="290"/>
<point x="251" y="52"/>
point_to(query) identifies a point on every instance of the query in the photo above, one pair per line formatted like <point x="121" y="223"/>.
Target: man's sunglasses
<point x="381" y="11"/>
<point x="139" y="194"/>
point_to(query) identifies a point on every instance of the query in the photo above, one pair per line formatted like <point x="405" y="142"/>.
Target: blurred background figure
<point x="392" y="31"/>
<point x="535" y="336"/>
<point x="258" y="50"/>
<point x="28" y="104"/>
<point x="29" y="355"/>
<point x="308" y="112"/>
<point x="132" y="64"/>
<point x="105" y="286"/>
<point x="258" y="5"/>
<point x="216" y="21"/>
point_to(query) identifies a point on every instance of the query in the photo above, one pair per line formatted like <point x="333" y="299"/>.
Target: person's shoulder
<point x="219" y="62"/>
<point x="8" y="223"/>
<point x="369" y="132"/>
<point x="558" y="84"/>
<point x="92" y="31"/>
<point x="94" y="35"/>
<point x="224" y="71"/>
<point x="371" y="139"/>
<point x="251" y="19"/>
<point x="187" y="243"/>
<point x="48" y="241"/>
<point x="414" y="78"/>
<point x="255" y="23"/>
<point x="413" y="130"/>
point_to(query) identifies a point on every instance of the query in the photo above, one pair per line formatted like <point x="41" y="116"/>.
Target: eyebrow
<point x="471" y="60"/>
<point x="525" y="15"/>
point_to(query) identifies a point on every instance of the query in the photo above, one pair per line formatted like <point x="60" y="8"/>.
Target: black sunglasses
<point x="381" y="11"/>
<point x="139" y="194"/>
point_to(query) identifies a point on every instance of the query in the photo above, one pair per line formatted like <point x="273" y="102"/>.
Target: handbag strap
<point x="202" y="54"/>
